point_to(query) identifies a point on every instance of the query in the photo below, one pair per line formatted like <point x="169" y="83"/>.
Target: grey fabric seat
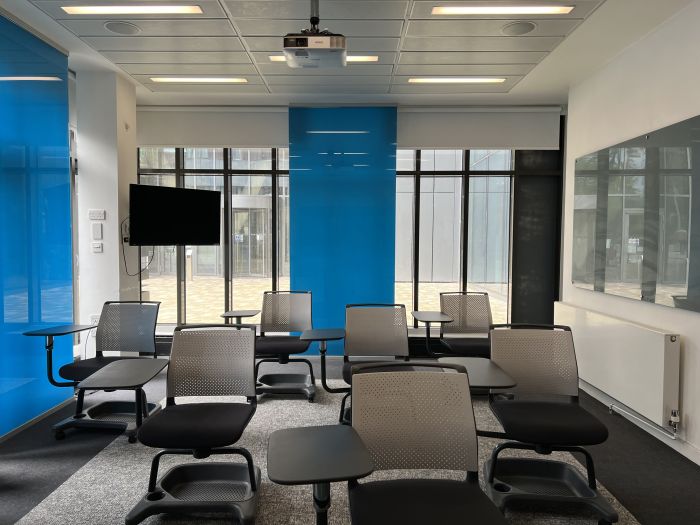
<point x="347" y="368"/>
<point x="418" y="421"/>
<point x="280" y="345"/>
<point x="471" y="314"/>
<point x="421" y="501"/>
<point x="84" y="368"/>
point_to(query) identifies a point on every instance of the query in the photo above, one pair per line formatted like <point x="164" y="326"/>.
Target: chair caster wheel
<point x="59" y="435"/>
<point x="132" y="438"/>
<point x="311" y="399"/>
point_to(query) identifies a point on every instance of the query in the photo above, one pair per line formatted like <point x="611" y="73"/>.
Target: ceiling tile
<point x="146" y="79"/>
<point x="582" y="9"/>
<point x="464" y="70"/>
<point x="329" y="9"/>
<point x="325" y="80"/>
<point x="178" y="57"/>
<point x="341" y="89"/>
<point x="164" y="43"/>
<point x="269" y="43"/>
<point x="349" y="28"/>
<point x="351" y="69"/>
<point x="445" y="28"/>
<point x="494" y="43"/>
<point x="190" y="69"/>
<point x="472" y="57"/>
<point x="204" y="27"/>
<point x="210" y="9"/>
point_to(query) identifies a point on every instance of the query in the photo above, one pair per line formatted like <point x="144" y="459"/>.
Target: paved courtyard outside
<point x="205" y="296"/>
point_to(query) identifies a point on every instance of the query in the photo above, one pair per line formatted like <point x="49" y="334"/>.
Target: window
<point x="454" y="195"/>
<point x="234" y="274"/>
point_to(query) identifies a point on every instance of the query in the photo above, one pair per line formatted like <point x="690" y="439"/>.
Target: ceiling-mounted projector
<point x="312" y="48"/>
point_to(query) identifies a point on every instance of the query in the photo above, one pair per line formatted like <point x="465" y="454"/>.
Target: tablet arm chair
<point x="127" y="327"/>
<point x="289" y="313"/>
<point x="373" y="332"/>
<point x="206" y="361"/>
<point x="542" y="414"/>
<point x="419" y="421"/>
<point x="467" y="334"/>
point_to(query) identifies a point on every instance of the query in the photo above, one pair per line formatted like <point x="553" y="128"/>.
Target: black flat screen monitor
<point x="161" y="216"/>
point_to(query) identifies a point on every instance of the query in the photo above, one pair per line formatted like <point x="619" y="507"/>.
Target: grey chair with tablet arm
<point x="467" y="335"/>
<point x="418" y="420"/>
<point x="206" y="361"/>
<point x="542" y="414"/>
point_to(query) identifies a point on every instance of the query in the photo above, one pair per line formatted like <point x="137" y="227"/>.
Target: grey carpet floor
<point x="104" y="490"/>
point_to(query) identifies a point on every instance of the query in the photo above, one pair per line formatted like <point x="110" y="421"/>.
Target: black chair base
<point x="109" y="415"/>
<point x="547" y="481"/>
<point x="202" y="487"/>
<point x="287" y="384"/>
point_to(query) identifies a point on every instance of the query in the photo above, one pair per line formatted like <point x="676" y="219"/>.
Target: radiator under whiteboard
<point x="635" y="364"/>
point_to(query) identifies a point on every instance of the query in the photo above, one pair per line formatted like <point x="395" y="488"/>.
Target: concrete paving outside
<point x="205" y="296"/>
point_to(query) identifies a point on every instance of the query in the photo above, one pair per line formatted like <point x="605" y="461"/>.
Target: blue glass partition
<point x="35" y="221"/>
<point x="342" y="186"/>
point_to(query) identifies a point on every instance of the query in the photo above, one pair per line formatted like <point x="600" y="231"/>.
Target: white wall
<point x="106" y="151"/>
<point x="652" y="84"/>
<point x="483" y="128"/>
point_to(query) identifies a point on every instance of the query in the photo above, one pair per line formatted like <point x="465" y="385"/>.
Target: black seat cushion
<point x="549" y="423"/>
<point x="274" y="345"/>
<point x="347" y="369"/>
<point x="468" y="346"/>
<point x="84" y="368"/>
<point x="196" y="425"/>
<point x="422" y="501"/>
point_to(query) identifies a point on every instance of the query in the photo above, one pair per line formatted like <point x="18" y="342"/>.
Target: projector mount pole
<point x="315" y="20"/>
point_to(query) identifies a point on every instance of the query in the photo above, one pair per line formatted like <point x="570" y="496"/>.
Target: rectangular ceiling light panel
<point x="485" y="9"/>
<point x="132" y="10"/>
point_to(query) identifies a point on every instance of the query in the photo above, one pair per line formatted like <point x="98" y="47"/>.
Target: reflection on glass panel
<point x="204" y="265"/>
<point x="405" y="160"/>
<point x="283" y="233"/>
<point x="251" y="242"/>
<point x="439" y="257"/>
<point x="490" y="159"/>
<point x="157" y="158"/>
<point x="489" y="240"/>
<point x="627" y="158"/>
<point x="204" y="158"/>
<point x="159" y="280"/>
<point x="403" y="287"/>
<point x="283" y="159"/>
<point x="587" y="162"/>
<point x="441" y="160"/>
<point x="636" y="242"/>
<point x="251" y="159"/>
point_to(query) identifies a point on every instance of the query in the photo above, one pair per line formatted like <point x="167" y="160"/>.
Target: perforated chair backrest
<point x="127" y="326"/>
<point x="416" y="420"/>
<point x="212" y="361"/>
<point x="541" y="360"/>
<point x="471" y="312"/>
<point x="286" y="312"/>
<point x="376" y="330"/>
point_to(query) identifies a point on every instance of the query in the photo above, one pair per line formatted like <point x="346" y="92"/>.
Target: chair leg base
<point x="201" y="487"/>
<point x="109" y="415"/>
<point x="546" y="481"/>
<point x="287" y="384"/>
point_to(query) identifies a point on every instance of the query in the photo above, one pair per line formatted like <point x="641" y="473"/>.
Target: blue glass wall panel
<point x="342" y="186"/>
<point x="35" y="222"/>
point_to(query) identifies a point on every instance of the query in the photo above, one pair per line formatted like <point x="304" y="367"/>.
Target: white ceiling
<point x="237" y="37"/>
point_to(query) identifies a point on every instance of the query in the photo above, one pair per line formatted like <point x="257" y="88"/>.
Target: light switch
<point x="96" y="231"/>
<point x="97" y="215"/>
<point x="96" y="247"/>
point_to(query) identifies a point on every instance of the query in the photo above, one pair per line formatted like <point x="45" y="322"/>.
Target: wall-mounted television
<point x="163" y="216"/>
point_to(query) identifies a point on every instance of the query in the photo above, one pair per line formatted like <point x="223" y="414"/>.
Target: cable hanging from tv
<point x="124" y="238"/>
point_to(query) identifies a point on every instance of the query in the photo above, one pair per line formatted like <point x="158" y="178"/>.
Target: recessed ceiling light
<point x="518" y="28"/>
<point x="351" y="58"/>
<point x="456" y="80"/>
<point x="200" y="80"/>
<point x="30" y="79"/>
<point x="502" y="9"/>
<point x="132" y="9"/>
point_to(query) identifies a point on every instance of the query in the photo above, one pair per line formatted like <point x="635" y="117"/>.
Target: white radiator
<point x="637" y="365"/>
